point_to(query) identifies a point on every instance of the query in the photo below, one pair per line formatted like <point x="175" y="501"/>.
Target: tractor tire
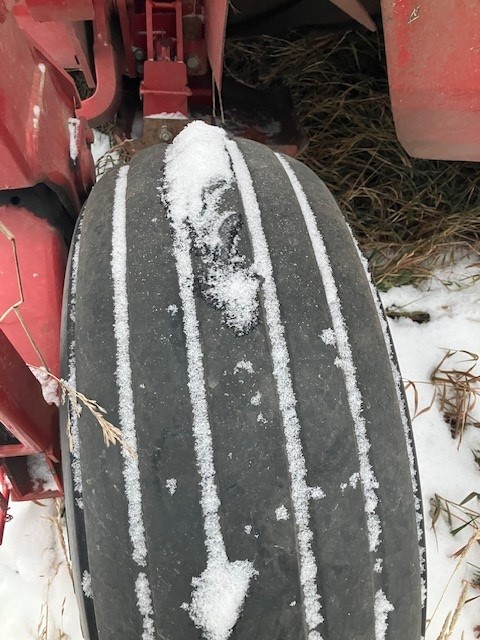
<point x="265" y="483"/>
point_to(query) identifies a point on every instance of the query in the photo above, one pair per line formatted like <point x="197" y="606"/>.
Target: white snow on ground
<point x="33" y="574"/>
<point x="448" y="469"/>
<point x="100" y="146"/>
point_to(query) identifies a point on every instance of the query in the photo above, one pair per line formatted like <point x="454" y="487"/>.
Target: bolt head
<point x="193" y="61"/>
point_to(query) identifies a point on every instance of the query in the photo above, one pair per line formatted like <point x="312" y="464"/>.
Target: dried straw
<point x="409" y="215"/>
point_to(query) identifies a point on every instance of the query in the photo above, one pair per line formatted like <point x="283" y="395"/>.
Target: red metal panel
<point x="60" y="10"/>
<point x="434" y="76"/>
<point x="164" y="88"/>
<point x="22" y="408"/>
<point x="215" y="25"/>
<point x="42" y="256"/>
<point x="59" y="38"/>
<point x="36" y="101"/>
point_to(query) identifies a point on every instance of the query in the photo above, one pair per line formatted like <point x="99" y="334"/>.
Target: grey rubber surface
<point x="248" y="441"/>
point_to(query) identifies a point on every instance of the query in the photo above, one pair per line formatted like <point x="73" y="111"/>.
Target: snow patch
<point x="282" y="513"/>
<point x="243" y="365"/>
<point x="101" y="145"/>
<point x="328" y="337"/>
<point x="218" y="597"/>
<point x="354" y="480"/>
<point x="345" y="360"/>
<point x="171" y="485"/>
<point x="40" y="473"/>
<point x="87" y="584"/>
<point x="197" y="178"/>
<point x="126" y="410"/>
<point x="73" y="124"/>
<point x="382" y="608"/>
<point x="317" y="493"/>
<point x="165" y="115"/>
<point x="256" y="399"/>
<point x="378" y="566"/>
<point x="74" y="408"/>
<point x="144" y="603"/>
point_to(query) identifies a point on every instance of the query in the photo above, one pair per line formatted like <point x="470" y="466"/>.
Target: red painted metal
<point x="63" y="40"/>
<point x="60" y="10"/>
<point x="434" y="76"/>
<point x="34" y="135"/>
<point x="215" y="25"/>
<point x="103" y="104"/>
<point x="41" y="257"/>
<point x="125" y="9"/>
<point x="23" y="410"/>
<point x="164" y="86"/>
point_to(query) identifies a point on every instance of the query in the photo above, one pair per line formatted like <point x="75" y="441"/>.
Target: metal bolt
<point x="138" y="54"/>
<point x="165" y="134"/>
<point x="193" y="61"/>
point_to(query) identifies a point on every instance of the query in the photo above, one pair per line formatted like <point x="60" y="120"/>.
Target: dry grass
<point x="459" y="516"/>
<point x="111" y="433"/>
<point x="44" y="630"/>
<point x="408" y="215"/>
<point x="457" y="388"/>
<point x="57" y="522"/>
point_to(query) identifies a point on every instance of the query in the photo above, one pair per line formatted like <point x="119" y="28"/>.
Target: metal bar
<point x="23" y="410"/>
<point x="123" y="10"/>
<point x="14" y="450"/>
<point x="179" y="24"/>
<point x="149" y="28"/>
<point x="104" y="102"/>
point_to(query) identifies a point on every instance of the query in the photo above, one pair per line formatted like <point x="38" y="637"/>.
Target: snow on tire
<point x="219" y="311"/>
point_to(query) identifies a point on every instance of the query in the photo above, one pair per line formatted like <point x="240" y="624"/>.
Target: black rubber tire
<point x="252" y="473"/>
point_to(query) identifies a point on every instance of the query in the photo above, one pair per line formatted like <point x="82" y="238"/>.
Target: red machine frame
<point x="45" y="139"/>
<point x="176" y="47"/>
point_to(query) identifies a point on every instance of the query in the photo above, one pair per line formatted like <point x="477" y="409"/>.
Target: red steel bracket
<point x="104" y="103"/>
